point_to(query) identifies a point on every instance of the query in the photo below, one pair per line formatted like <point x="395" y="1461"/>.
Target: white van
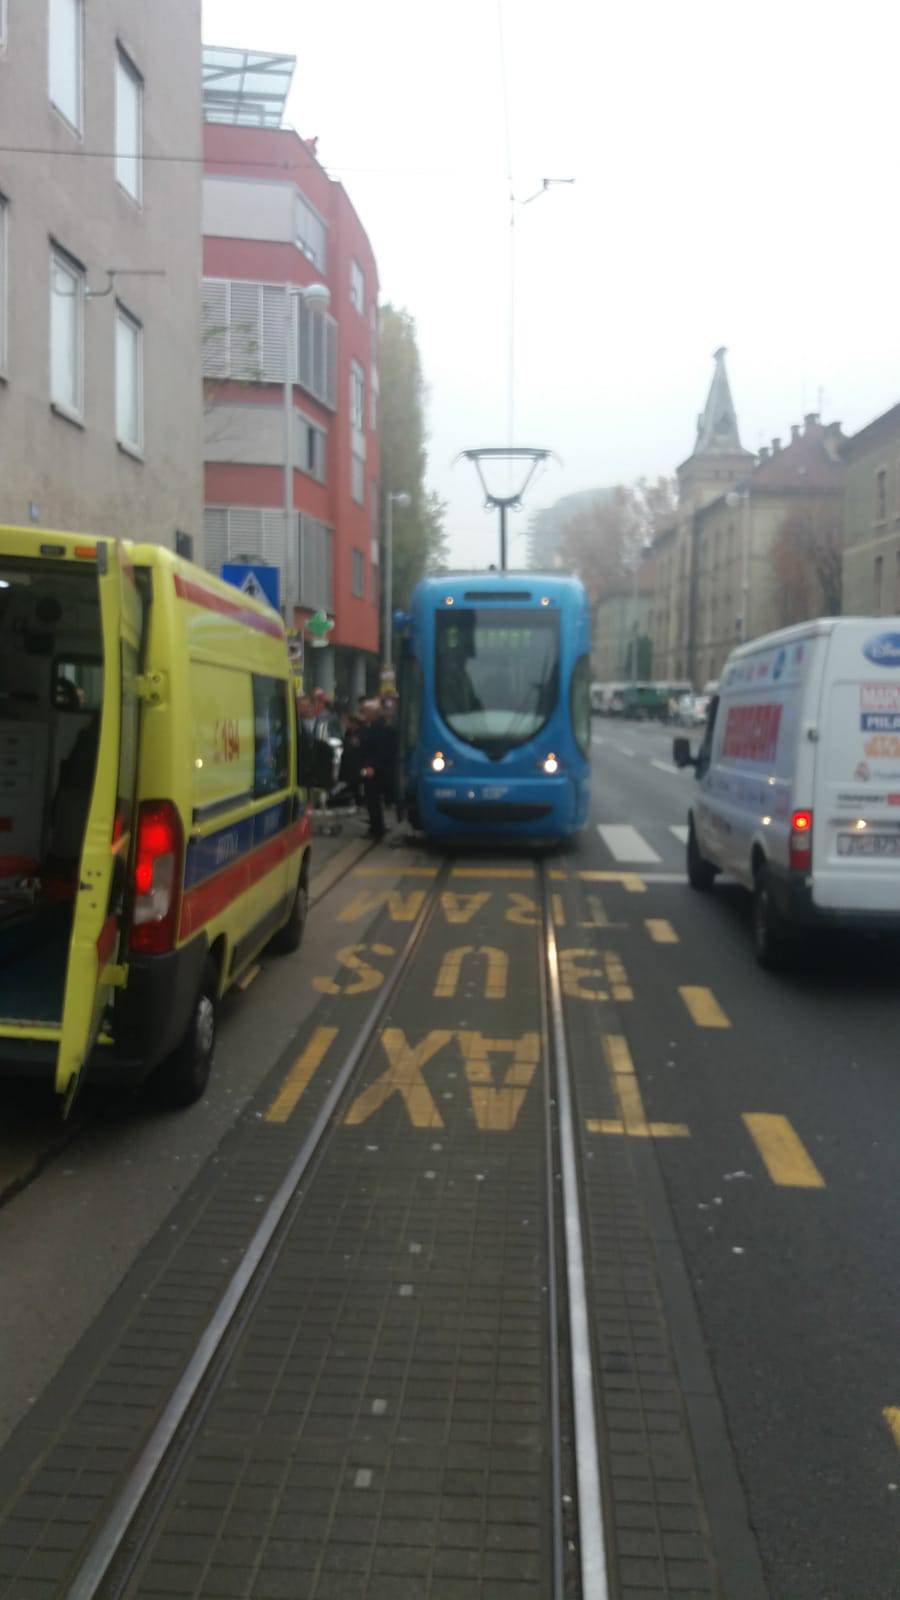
<point x="798" y="779"/>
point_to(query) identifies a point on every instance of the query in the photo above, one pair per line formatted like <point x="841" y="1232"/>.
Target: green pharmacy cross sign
<point x="320" y="627"/>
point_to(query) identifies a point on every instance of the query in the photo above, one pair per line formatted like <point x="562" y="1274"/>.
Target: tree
<point x="807" y="562"/>
<point x="419" y="538"/>
<point x="604" y="541"/>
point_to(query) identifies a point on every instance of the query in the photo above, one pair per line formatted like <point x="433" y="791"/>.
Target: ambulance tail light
<point x="157" y="878"/>
<point x="800" y="856"/>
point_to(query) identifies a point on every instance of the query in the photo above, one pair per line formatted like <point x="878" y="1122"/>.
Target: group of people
<point x="368" y="740"/>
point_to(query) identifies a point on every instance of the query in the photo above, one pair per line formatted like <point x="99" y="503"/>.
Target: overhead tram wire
<point x="511" y="355"/>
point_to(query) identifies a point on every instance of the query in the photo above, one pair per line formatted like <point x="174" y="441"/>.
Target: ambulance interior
<point x="51" y="687"/>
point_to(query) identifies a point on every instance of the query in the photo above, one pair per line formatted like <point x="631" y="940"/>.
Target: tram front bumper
<point x="526" y="808"/>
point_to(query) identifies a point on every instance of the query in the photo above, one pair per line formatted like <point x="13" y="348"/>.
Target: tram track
<point x="109" y="1566"/>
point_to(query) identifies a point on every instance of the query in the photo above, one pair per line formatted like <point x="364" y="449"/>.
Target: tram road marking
<point x="786" y="1158"/>
<point x="660" y="931"/>
<point x="891" y="1416"/>
<point x="703" y="1006"/>
<point x="633" y="1120"/>
<point x="403" y="907"/>
<point x="625" y="843"/>
<point x="301" y="1074"/>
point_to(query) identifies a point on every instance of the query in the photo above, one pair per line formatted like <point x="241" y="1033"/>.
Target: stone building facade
<point x="872" y="518"/>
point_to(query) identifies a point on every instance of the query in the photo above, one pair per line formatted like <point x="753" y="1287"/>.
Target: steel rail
<point x="553" y="1283"/>
<point x="261" y="1253"/>
<point x="588" y="1475"/>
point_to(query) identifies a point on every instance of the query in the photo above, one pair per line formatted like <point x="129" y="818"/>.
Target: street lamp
<point x="741" y="497"/>
<point x="399" y="498"/>
<point x="643" y="550"/>
<point x="317" y="296"/>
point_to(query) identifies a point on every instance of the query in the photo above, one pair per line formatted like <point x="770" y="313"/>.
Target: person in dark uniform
<point x="374" y="764"/>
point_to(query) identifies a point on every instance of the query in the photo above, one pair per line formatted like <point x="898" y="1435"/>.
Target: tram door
<point x="410" y="691"/>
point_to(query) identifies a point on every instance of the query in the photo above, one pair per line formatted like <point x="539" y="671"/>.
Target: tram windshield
<point x="497" y="674"/>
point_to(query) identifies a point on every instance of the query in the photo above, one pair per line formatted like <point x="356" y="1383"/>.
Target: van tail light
<point x="801" y="841"/>
<point x="157" y="877"/>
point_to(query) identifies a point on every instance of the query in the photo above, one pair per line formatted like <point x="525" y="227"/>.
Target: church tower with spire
<point x="718" y="459"/>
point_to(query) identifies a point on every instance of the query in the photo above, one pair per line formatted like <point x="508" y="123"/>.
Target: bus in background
<point x="495" y="707"/>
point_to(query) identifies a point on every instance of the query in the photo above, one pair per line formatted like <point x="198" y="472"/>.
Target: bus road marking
<point x="660" y="930"/>
<point x="703" y="1006"/>
<point x="786" y="1158"/>
<point x="250" y="976"/>
<point x="300" y="1075"/>
<point x="891" y="1416"/>
<point x="366" y="977"/>
<point x="625" y="843"/>
<point x="577" y="966"/>
<point x="633" y="1120"/>
<point x="496" y="973"/>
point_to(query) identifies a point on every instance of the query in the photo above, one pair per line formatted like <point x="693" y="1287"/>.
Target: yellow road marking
<point x="395" y="872"/>
<point x="628" y="1093"/>
<point x="250" y="976"/>
<point x="618" y="977"/>
<point x="367" y="977"/>
<point x="402" y="907"/>
<point x="597" y="917"/>
<point x="559" y="913"/>
<point x="492" y="872"/>
<point x="463" y="907"/>
<point x="650" y="1130"/>
<point x="496" y="1109"/>
<point x="784" y="1153"/>
<point x="892" y="1418"/>
<point x="497" y="962"/>
<point x="300" y="1074"/>
<point x="556" y="874"/>
<point x="660" y="931"/>
<point x="631" y="882"/>
<point x="703" y="1006"/>
<point x="522" y="909"/>
<point x="403" y="1077"/>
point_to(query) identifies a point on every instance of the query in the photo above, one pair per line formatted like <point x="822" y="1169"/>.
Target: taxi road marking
<point x="703" y="1006"/>
<point x="785" y="1156"/>
<point x="301" y="1073"/>
<point x="660" y="931"/>
<point x="633" y="1121"/>
<point x="403" y="1077"/>
<point x="892" y="1418"/>
<point x="250" y="976"/>
<point x="496" y="1109"/>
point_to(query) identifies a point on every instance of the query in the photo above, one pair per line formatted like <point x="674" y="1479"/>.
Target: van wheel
<point x="701" y="873"/>
<point x="770" y="935"/>
<point x="290" y="937"/>
<point x="182" y="1078"/>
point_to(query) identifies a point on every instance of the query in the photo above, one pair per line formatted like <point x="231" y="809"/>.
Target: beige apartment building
<point x="755" y="545"/>
<point x="100" y="267"/>
<point x="872" y="519"/>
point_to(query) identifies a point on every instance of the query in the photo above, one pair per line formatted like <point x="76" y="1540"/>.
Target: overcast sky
<point x="735" y="183"/>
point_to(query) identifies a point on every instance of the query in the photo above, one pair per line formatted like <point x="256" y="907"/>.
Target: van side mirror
<point x="681" y="753"/>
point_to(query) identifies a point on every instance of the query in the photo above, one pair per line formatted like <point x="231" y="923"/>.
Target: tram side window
<point x="580" y="704"/>
<point x="411" y="692"/>
<point x="272" y="740"/>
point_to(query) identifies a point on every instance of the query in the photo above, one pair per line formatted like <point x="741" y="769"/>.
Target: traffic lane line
<point x="660" y="930"/>
<point x="703" y="1007"/>
<point x="665" y="766"/>
<point x="783" y="1152"/>
<point x="625" y="843"/>
<point x="300" y="1075"/>
<point x="891" y="1416"/>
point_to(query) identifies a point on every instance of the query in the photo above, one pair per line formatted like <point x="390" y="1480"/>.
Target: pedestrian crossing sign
<point x="257" y="582"/>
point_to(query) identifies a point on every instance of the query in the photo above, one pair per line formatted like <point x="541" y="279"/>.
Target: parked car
<point x="798" y="780"/>
<point x="693" y="710"/>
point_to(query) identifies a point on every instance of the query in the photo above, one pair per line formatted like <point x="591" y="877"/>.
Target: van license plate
<point x="868" y="844"/>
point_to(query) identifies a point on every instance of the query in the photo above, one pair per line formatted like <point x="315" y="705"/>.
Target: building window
<point x="881" y="495"/>
<point x="357" y="432"/>
<point x="878" y="586"/>
<point x="358" y="479"/>
<point x="4" y="214"/>
<point x="357" y="286"/>
<point x="129" y="381"/>
<point x="897" y="586"/>
<point x="67" y="59"/>
<point x="310" y="233"/>
<point x="129" y="125"/>
<point x="373" y="400"/>
<point x="358" y="574"/>
<point x="2" y="23"/>
<point x="357" y="397"/>
<point x="66" y="333"/>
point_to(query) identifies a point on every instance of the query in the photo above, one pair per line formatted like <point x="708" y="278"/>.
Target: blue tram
<point x="495" y="708"/>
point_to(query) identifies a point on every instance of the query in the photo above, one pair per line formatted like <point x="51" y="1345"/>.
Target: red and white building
<point x="291" y="471"/>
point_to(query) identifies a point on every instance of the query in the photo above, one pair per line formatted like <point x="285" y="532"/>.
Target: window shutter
<point x="274" y="335"/>
<point x="215" y="538"/>
<point x="330" y="393"/>
<point x="244" y="533"/>
<point x="246" y="331"/>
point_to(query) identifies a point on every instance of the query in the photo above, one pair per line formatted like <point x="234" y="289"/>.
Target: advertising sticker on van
<point x="883" y="650"/>
<point x="880" y="707"/>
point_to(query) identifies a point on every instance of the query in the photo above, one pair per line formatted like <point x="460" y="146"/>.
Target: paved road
<point x="797" y="1286"/>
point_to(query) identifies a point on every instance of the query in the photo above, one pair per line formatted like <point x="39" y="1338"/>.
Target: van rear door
<point x="92" y="972"/>
<point x="856" y="817"/>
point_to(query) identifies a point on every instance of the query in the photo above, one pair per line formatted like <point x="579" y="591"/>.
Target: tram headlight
<point x="438" y="762"/>
<point x="550" y="764"/>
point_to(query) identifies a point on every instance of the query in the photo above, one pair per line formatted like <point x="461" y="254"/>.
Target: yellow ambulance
<point x="154" y="836"/>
